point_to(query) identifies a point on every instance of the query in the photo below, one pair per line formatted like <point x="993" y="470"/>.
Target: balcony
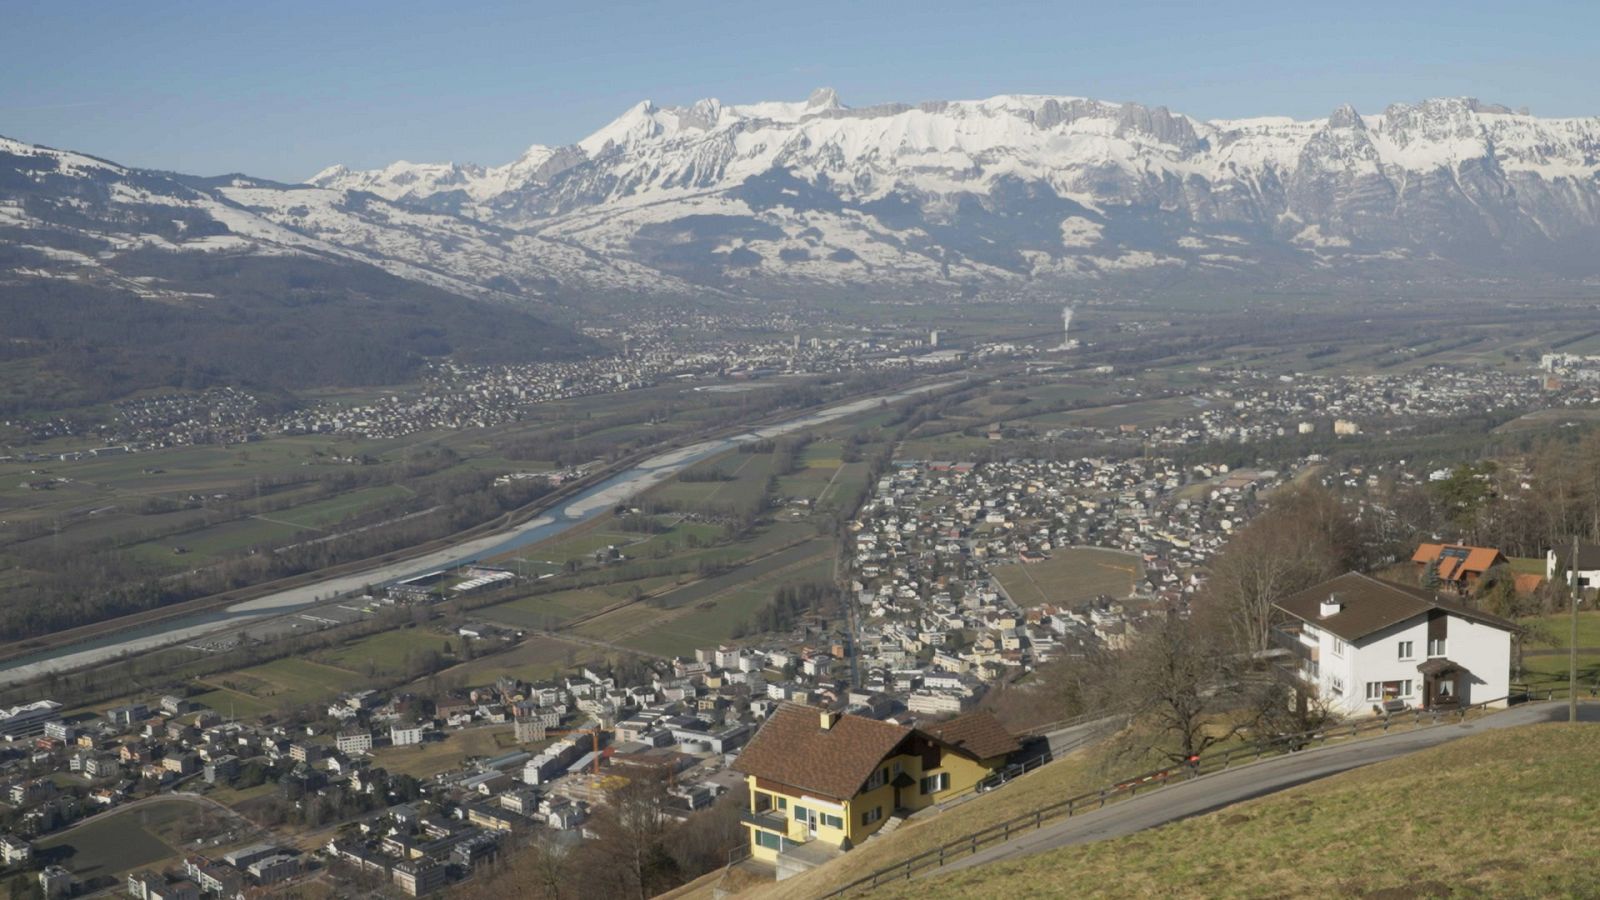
<point x="769" y="819"/>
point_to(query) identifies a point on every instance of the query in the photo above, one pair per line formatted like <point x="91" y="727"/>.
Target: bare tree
<point x="1187" y="690"/>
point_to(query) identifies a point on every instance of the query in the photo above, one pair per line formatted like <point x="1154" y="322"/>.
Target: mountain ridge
<point x="814" y="191"/>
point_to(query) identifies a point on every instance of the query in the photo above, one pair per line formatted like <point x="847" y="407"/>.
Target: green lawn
<point x="332" y="511"/>
<point x="280" y="684"/>
<point x="386" y="652"/>
<point x="1554" y="631"/>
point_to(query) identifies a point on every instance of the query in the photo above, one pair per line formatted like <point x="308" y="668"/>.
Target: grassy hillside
<point x="1509" y="813"/>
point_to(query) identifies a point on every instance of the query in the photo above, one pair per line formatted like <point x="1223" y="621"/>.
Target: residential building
<point x="353" y="742"/>
<point x="14" y="850"/>
<point x="56" y="881"/>
<point x="405" y="735"/>
<point x="419" y="877"/>
<point x="1364" y="644"/>
<point x="817" y="776"/>
<point x="1588" y="565"/>
<point x="1457" y="566"/>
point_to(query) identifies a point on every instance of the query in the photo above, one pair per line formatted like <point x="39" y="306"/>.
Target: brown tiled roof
<point x="1369" y="606"/>
<point x="792" y="748"/>
<point x="977" y="734"/>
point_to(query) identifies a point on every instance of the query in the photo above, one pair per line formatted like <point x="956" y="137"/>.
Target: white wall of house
<point x="1346" y="669"/>
<point x="1586" y="577"/>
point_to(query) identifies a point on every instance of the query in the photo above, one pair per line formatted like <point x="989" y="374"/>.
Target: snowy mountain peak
<point x="823" y="98"/>
<point x="1346" y="117"/>
<point x="1027" y="187"/>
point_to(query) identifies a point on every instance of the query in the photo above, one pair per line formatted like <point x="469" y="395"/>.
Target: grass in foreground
<point x="1504" y="814"/>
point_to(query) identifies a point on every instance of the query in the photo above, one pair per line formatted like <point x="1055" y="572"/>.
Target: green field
<point x="278" y="685"/>
<point x="534" y="659"/>
<point x="385" y="653"/>
<point x="1070" y="576"/>
<point x="332" y="511"/>
<point x="712" y="620"/>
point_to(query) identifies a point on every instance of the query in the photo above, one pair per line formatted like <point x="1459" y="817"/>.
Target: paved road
<point x="1213" y="792"/>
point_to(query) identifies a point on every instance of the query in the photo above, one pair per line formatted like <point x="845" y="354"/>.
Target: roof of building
<point x="794" y="749"/>
<point x="1588" y="555"/>
<point x="1457" y="560"/>
<point x="978" y="734"/>
<point x="1368" y="606"/>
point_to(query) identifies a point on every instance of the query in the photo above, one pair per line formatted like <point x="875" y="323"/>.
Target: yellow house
<point x="821" y="781"/>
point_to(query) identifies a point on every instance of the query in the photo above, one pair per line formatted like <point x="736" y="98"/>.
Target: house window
<point x="799" y="813"/>
<point x="833" y="821"/>
<point x="1435" y="646"/>
<point x="872" y="815"/>
<point x="769" y="840"/>
<point x="783" y="802"/>
<point x="878" y="779"/>
<point x="1388" y="690"/>
<point x="933" y="784"/>
<point x="1336" y="684"/>
<point x="1406" y="650"/>
<point x="1338" y="647"/>
<point x="1446" y="688"/>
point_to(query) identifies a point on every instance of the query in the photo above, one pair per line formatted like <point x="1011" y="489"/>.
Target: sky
<point x="283" y="89"/>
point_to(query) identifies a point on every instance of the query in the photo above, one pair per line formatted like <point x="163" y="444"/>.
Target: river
<point x="576" y="510"/>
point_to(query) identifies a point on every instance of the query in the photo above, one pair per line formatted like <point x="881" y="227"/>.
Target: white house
<point x="1366" y="645"/>
<point x="1588" y="566"/>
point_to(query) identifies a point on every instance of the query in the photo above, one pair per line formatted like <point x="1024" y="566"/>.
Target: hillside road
<point x="1215" y="791"/>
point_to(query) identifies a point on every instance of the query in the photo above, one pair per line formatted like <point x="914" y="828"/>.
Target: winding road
<point x="1209" y="793"/>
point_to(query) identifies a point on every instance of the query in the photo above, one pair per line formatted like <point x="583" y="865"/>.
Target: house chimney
<point x="1330" y="606"/>
<point x="829" y="718"/>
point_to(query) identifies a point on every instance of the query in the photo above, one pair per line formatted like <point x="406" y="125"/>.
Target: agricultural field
<point x="749" y="473"/>
<point x="554" y="609"/>
<point x="385" y="653"/>
<point x="1070" y="576"/>
<point x="714" y="620"/>
<point x="533" y="659"/>
<point x="280" y="684"/>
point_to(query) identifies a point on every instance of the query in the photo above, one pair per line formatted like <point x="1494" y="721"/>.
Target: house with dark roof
<point x="1586" y="567"/>
<point x="1458" y="566"/>
<point x="1365" y="645"/>
<point x="821" y="781"/>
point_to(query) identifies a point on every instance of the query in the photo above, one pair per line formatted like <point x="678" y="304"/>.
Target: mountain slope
<point x="1020" y="189"/>
<point x="114" y="279"/>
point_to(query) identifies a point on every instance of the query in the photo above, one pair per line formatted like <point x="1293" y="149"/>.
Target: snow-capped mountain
<point x="125" y="278"/>
<point x="1020" y="189"/>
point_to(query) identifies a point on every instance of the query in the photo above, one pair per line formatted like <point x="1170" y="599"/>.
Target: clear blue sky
<point x="281" y="89"/>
